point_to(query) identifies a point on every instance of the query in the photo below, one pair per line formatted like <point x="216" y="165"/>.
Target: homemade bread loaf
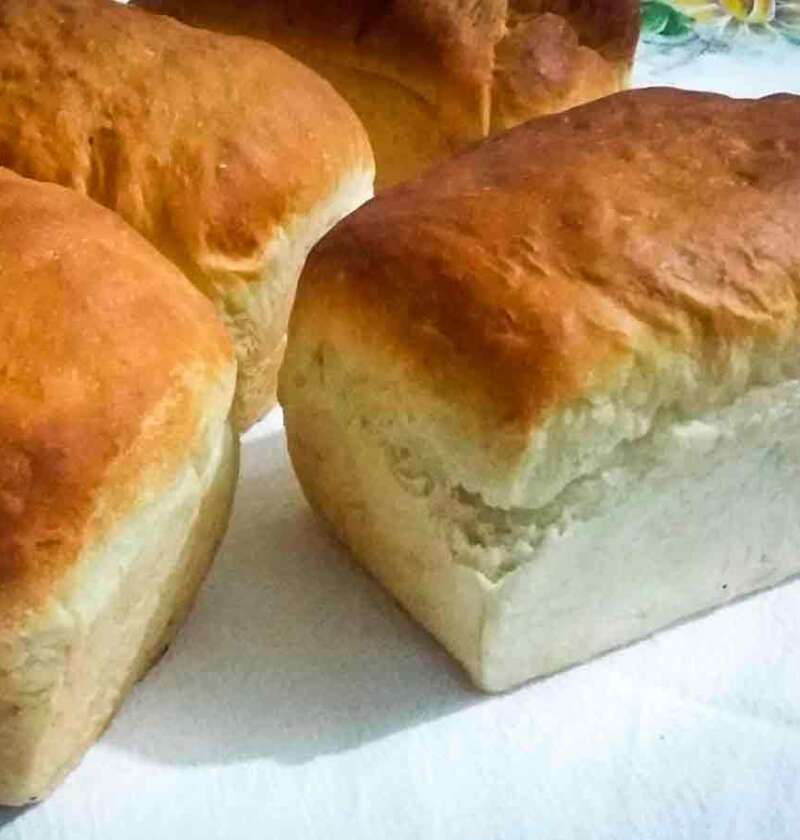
<point x="117" y="469"/>
<point x="549" y="393"/>
<point x="429" y="76"/>
<point x="229" y="156"/>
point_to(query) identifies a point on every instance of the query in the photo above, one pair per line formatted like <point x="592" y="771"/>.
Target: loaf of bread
<point x="429" y="76"/>
<point x="229" y="156"/>
<point x="548" y="393"/>
<point x="117" y="468"/>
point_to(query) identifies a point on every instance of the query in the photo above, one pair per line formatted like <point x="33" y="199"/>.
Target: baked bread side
<point x="229" y="156"/>
<point x="548" y="392"/>
<point x="429" y="76"/>
<point x="117" y="469"/>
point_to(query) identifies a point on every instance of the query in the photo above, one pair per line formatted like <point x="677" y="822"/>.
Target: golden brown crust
<point x="97" y="332"/>
<point x="481" y="66"/>
<point x="217" y="149"/>
<point x="609" y="27"/>
<point x="406" y="39"/>
<point x="542" y="68"/>
<point x="204" y="143"/>
<point x="515" y="277"/>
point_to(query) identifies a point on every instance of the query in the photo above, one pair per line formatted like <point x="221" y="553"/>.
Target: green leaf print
<point x="664" y="22"/>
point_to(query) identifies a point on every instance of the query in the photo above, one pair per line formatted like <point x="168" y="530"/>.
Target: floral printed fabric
<point x="715" y="21"/>
<point x="738" y="47"/>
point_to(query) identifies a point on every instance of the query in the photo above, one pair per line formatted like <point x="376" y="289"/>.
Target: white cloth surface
<point x="740" y="68"/>
<point x="300" y="702"/>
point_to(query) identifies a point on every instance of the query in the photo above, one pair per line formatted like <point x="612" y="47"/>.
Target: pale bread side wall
<point x="66" y="671"/>
<point x="693" y="514"/>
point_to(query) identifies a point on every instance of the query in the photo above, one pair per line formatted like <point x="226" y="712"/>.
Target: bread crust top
<point x="207" y="144"/>
<point x="482" y="65"/>
<point x="110" y="364"/>
<point x="654" y="233"/>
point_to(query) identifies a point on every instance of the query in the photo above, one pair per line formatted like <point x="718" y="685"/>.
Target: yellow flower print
<point x="776" y="16"/>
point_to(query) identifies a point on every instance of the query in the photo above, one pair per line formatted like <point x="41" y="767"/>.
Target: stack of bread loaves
<point x="229" y="156"/>
<point x="429" y="76"/>
<point x="547" y="392"/>
<point x="119" y="394"/>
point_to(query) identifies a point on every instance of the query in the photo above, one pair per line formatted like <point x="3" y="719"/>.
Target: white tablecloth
<point x="300" y="702"/>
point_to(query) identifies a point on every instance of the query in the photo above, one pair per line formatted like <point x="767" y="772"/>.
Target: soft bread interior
<point x="681" y="514"/>
<point x="65" y="674"/>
